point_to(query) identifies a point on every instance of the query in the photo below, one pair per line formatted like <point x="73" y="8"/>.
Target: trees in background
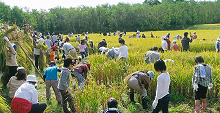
<point x="151" y="15"/>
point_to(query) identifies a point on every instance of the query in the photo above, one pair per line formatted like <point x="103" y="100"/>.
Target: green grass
<point x="205" y="27"/>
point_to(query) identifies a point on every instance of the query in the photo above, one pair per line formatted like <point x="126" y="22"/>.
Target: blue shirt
<point x="51" y="73"/>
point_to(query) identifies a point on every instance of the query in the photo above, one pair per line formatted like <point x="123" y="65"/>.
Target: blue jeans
<point x="162" y="105"/>
<point x="83" y="54"/>
<point x="79" y="78"/>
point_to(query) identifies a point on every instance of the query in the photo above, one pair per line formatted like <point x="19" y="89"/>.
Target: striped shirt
<point x="64" y="81"/>
<point x="202" y="75"/>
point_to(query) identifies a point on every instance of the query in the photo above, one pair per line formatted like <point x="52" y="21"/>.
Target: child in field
<point x="162" y="97"/>
<point x="175" y="46"/>
<point x="16" y="81"/>
<point x="201" y="80"/>
<point x="112" y="106"/>
<point x="52" y="54"/>
<point x="63" y="86"/>
<point x="82" y="48"/>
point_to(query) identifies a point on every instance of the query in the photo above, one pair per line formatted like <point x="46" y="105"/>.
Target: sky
<point x="47" y="4"/>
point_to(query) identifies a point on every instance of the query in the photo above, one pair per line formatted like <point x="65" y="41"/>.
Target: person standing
<point x="48" y="43"/>
<point x="164" y="44"/>
<point x="82" y="48"/>
<point x="201" y="81"/>
<point x="217" y="45"/>
<point x="185" y="42"/>
<point x="51" y="79"/>
<point x="36" y="51"/>
<point x="27" y="96"/>
<point x="63" y="86"/>
<point x="11" y="60"/>
<point x="139" y="81"/>
<point x="53" y="38"/>
<point x="162" y="97"/>
<point x="154" y="56"/>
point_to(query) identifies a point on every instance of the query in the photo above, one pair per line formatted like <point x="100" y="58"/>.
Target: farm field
<point x="106" y="76"/>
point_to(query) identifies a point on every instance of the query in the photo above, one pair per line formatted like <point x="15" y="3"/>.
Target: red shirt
<point x="81" y="68"/>
<point x="175" y="47"/>
<point x="168" y="44"/>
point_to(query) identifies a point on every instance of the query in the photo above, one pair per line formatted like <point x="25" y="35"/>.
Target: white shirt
<point x="163" y="83"/>
<point x="122" y="51"/>
<point x="48" y="43"/>
<point x="154" y="56"/>
<point x="67" y="47"/>
<point x="164" y="45"/>
<point x="103" y="49"/>
<point x="53" y="38"/>
<point x="28" y="92"/>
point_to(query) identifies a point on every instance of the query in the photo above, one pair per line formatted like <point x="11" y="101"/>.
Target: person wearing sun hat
<point x="175" y="46"/>
<point x="139" y="81"/>
<point x="27" y="96"/>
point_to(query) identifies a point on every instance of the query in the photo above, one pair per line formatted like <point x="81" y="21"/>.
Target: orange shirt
<point x="175" y="47"/>
<point x="52" y="56"/>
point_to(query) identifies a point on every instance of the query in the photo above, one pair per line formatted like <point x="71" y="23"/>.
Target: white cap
<point x="218" y="39"/>
<point x="151" y="73"/>
<point x="174" y="41"/>
<point x="31" y="78"/>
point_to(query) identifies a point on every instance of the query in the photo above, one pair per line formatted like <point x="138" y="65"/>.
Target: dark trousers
<point x="83" y="54"/>
<point x="36" y="57"/>
<point x="12" y="71"/>
<point x="66" y="96"/>
<point x="38" y="108"/>
<point x="162" y="105"/>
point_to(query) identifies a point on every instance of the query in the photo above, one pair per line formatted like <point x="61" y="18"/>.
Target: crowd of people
<point x="22" y="87"/>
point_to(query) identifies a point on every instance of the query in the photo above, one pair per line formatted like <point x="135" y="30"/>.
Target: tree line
<point x="149" y="16"/>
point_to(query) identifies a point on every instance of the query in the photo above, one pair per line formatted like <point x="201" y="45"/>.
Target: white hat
<point x="41" y="40"/>
<point x="174" y="41"/>
<point x="218" y="39"/>
<point x="31" y="78"/>
<point x="151" y="73"/>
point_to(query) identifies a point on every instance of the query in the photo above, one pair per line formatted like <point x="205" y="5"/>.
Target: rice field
<point x="106" y="76"/>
